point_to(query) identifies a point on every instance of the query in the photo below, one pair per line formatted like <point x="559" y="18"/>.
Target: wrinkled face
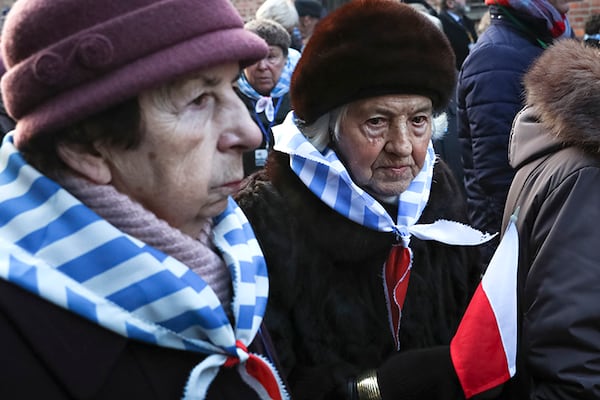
<point x="190" y="158"/>
<point x="264" y="75"/>
<point x="383" y="142"/>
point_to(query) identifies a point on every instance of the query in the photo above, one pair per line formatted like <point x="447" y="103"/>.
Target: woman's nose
<point x="262" y="64"/>
<point x="247" y="133"/>
<point x="398" y="140"/>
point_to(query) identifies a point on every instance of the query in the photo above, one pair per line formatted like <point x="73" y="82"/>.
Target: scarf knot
<point x="325" y="176"/>
<point x="232" y="361"/>
<point x="86" y="265"/>
<point x="265" y="104"/>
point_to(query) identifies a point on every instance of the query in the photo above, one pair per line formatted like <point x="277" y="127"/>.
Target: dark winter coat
<point x="555" y="149"/>
<point x="489" y="96"/>
<point x="326" y="312"/>
<point x="461" y="34"/>
<point x="256" y="159"/>
<point x="51" y="353"/>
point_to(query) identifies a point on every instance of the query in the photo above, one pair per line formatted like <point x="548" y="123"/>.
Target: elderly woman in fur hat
<point x="127" y="270"/>
<point x="363" y="228"/>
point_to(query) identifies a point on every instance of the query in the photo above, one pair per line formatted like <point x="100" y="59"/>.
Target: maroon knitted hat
<point x="69" y="59"/>
<point x="369" y="48"/>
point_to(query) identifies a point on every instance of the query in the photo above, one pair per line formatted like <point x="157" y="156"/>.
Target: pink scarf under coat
<point x="132" y="218"/>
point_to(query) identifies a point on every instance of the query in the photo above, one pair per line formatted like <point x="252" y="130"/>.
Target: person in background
<point x="592" y="30"/>
<point x="490" y="95"/>
<point x="310" y="13"/>
<point x="268" y="103"/>
<point x="554" y="149"/>
<point x="458" y="27"/>
<point x="284" y="12"/>
<point x="423" y="7"/>
<point x="126" y="269"/>
<point x="363" y="228"/>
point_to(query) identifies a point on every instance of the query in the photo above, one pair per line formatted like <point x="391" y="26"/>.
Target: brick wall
<point x="247" y="8"/>
<point x="580" y="10"/>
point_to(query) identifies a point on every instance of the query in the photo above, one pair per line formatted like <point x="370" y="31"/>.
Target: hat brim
<point x="71" y="106"/>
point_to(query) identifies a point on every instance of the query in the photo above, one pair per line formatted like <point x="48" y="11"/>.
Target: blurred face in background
<point x="264" y="74"/>
<point x="307" y="26"/>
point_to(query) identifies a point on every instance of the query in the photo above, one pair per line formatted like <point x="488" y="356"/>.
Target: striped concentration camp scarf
<point x="325" y="176"/>
<point x="58" y="249"/>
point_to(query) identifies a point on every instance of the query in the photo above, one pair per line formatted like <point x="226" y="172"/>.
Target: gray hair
<point x="271" y="32"/>
<point x="327" y="127"/>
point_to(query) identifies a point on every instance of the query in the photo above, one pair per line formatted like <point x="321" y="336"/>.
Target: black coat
<point x="461" y="35"/>
<point x="255" y="159"/>
<point x="326" y="312"/>
<point x="50" y="353"/>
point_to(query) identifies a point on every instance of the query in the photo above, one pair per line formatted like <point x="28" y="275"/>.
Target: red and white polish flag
<point x="483" y="351"/>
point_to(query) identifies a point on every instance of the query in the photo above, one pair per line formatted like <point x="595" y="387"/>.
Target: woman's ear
<point x="92" y="166"/>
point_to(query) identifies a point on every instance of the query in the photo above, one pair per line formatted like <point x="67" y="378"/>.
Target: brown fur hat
<point x="563" y="85"/>
<point x="369" y="48"/>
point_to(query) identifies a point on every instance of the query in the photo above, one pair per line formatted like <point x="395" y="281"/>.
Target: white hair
<point x="321" y="132"/>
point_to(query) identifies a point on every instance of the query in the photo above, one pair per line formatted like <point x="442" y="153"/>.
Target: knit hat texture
<point x="271" y="32"/>
<point x="69" y="59"/>
<point x="368" y="48"/>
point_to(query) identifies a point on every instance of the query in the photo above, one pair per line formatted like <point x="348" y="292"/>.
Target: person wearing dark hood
<point x="363" y="227"/>
<point x="126" y="268"/>
<point x="555" y="151"/>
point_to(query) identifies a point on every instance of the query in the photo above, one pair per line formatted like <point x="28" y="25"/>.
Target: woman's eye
<point x="200" y="100"/>
<point x="420" y="119"/>
<point x="375" y="121"/>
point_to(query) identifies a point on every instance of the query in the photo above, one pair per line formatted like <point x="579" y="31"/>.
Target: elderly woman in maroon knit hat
<point x="363" y="228"/>
<point x="126" y="269"/>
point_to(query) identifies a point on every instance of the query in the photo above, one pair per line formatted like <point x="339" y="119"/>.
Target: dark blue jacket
<point x="489" y="96"/>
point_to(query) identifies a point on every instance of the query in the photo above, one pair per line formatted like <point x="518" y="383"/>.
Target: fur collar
<point x="563" y="86"/>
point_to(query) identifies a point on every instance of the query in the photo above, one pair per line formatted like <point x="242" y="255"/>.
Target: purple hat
<point x="69" y="59"/>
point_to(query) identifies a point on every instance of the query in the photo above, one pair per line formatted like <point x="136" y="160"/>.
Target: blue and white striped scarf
<point x="286" y="76"/>
<point x="54" y="246"/>
<point x="326" y="176"/>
